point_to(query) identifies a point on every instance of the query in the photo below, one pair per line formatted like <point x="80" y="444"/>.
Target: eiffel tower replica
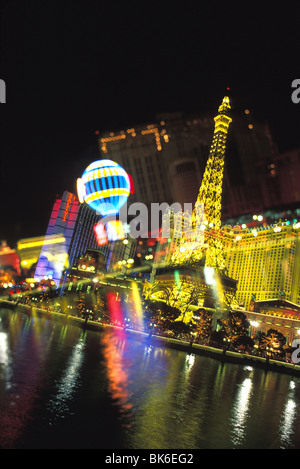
<point x="198" y="258"/>
<point x="206" y="217"/>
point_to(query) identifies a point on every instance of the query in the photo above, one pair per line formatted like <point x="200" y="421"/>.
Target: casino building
<point x="9" y="258"/>
<point x="69" y="234"/>
<point x="265" y="260"/>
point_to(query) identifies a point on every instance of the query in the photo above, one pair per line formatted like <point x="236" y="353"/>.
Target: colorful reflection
<point x="126" y="310"/>
<point x="119" y="347"/>
<point x="115" y="345"/>
<point x="117" y="367"/>
<point x="170" y="399"/>
<point x="137" y="306"/>
<point x="19" y="398"/>
<point x="177" y="279"/>
<point x="115" y="309"/>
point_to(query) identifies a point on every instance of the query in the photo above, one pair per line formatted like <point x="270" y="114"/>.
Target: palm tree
<point x="235" y="326"/>
<point x="272" y="343"/>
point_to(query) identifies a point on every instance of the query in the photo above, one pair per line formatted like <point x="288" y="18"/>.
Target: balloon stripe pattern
<point x="104" y="186"/>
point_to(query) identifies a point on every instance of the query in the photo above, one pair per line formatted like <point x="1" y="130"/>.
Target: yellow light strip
<point x="150" y="130"/>
<point x="111" y="139"/>
<point x="108" y="193"/>
<point x="41" y="243"/>
<point x="154" y="131"/>
<point x="29" y="261"/>
<point x="103" y="172"/>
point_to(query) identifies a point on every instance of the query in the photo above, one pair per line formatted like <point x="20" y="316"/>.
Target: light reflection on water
<point x="288" y="416"/>
<point x="67" y="384"/>
<point x="117" y="367"/>
<point x="5" y="359"/>
<point x="241" y="411"/>
<point x="56" y="378"/>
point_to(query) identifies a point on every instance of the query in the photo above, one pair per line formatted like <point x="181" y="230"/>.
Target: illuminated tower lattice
<point x="209" y="197"/>
<point x="192" y="272"/>
<point x="210" y="193"/>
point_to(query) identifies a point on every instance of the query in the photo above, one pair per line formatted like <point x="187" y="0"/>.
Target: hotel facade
<point x="265" y="261"/>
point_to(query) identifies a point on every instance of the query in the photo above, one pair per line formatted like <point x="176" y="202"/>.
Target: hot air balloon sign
<point x="104" y="186"/>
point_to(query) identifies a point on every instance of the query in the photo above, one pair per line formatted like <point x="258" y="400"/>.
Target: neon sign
<point x="69" y="201"/>
<point x="100" y="234"/>
<point x="112" y="231"/>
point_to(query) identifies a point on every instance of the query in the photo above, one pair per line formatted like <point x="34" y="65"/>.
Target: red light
<point x="131" y="184"/>
<point x="151" y="242"/>
<point x="100" y="234"/>
<point x="69" y="201"/>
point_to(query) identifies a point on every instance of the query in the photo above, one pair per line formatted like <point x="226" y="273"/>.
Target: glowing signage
<point x="100" y="233"/>
<point x="69" y="201"/>
<point x="115" y="230"/>
<point x="43" y="242"/>
<point x="112" y="231"/>
<point x="104" y="186"/>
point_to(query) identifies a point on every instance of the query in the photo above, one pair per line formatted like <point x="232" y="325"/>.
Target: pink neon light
<point x="100" y="234"/>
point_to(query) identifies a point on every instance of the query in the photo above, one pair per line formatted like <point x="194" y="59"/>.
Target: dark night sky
<point x="73" y="67"/>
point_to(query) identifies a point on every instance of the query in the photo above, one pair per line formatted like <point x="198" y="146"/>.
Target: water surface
<point x="65" y="387"/>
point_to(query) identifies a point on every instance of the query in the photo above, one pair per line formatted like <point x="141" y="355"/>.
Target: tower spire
<point x="209" y="199"/>
<point x="210" y="194"/>
<point x="197" y="258"/>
